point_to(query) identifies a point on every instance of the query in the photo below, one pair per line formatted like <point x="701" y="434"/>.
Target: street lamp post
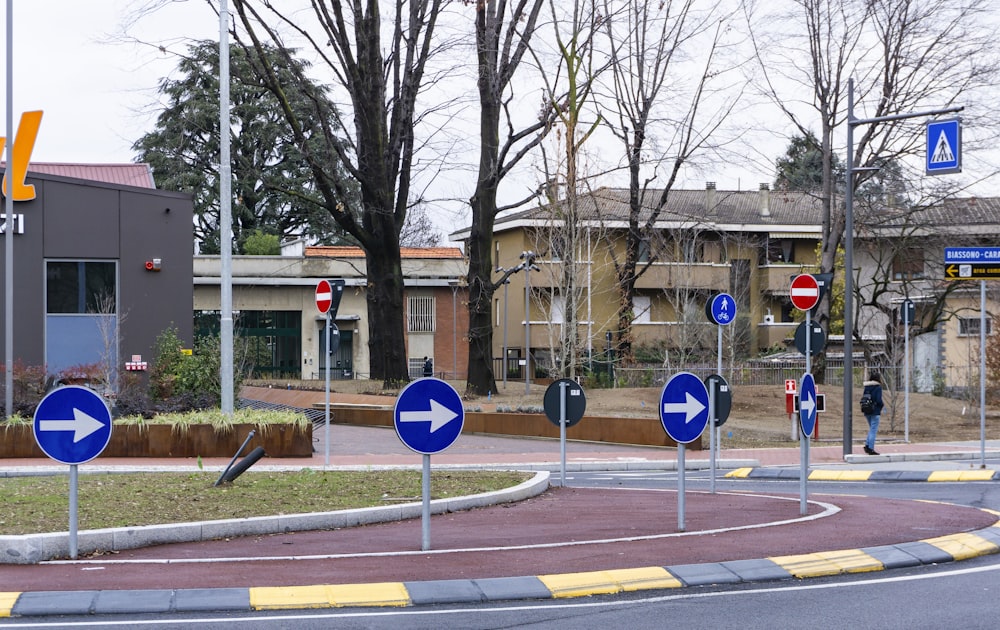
<point x="853" y="122"/>
<point x="528" y="265"/>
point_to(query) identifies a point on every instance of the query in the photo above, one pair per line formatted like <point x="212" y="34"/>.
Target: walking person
<point x="871" y="406"/>
<point x="428" y="367"/>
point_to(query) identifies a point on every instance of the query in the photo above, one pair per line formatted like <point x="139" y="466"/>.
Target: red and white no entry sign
<point x="804" y="292"/>
<point x="324" y="296"/>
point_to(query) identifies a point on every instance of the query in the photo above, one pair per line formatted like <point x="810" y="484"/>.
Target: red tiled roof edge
<point x="341" y="251"/>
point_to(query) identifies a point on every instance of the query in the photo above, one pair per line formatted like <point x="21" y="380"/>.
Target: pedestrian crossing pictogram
<point x="942" y="150"/>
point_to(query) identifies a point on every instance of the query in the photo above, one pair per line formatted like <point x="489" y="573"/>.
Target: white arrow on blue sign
<point x="684" y="407"/>
<point x="72" y="424"/>
<point x="807" y="404"/>
<point x="429" y="415"/>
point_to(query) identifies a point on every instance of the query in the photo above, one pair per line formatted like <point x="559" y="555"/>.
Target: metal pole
<point x="713" y="404"/>
<point x="562" y="434"/>
<point x="853" y="122"/>
<point x="326" y="413"/>
<point x="225" y="218"/>
<point x="527" y="323"/>
<point x="848" y="274"/>
<point x="680" y="487"/>
<point x="803" y="438"/>
<point x="454" y="329"/>
<point x="425" y="486"/>
<point x="906" y="372"/>
<point x="74" y="488"/>
<point x="8" y="236"/>
<point x="982" y="373"/>
<point x="504" y="363"/>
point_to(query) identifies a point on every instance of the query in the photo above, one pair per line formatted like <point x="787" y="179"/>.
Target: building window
<point x="421" y="313"/>
<point x="80" y="287"/>
<point x="557" y="313"/>
<point x="644" y="250"/>
<point x="908" y="264"/>
<point x="969" y="326"/>
<point x="641" y="306"/>
<point x="81" y="321"/>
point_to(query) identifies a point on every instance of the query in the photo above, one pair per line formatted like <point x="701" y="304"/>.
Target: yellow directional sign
<point x="972" y="271"/>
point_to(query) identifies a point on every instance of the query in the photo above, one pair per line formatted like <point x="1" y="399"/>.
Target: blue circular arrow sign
<point x="807" y="404"/>
<point x="721" y="309"/>
<point x="428" y="415"/>
<point x="684" y="407"/>
<point x="72" y="424"/>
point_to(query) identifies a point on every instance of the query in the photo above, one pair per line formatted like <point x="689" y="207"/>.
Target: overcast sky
<point x="97" y="95"/>
<point x="99" y="92"/>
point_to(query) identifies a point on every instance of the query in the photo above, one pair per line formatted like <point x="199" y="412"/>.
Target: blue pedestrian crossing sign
<point x="684" y="407"/>
<point x="429" y="415"/>
<point x="944" y="146"/>
<point x="72" y="424"/>
<point x="807" y="404"/>
<point x="721" y="309"/>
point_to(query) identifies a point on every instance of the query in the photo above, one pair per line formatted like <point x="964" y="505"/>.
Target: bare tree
<point x="382" y="80"/>
<point x="905" y="56"/>
<point x="663" y="60"/>
<point x="503" y="32"/>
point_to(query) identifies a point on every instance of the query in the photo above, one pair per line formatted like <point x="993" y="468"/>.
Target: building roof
<point x="340" y="251"/>
<point x="758" y="210"/>
<point x="138" y="175"/>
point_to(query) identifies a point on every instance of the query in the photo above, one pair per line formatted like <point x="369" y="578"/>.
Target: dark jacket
<point x="875" y="389"/>
<point x="428" y="368"/>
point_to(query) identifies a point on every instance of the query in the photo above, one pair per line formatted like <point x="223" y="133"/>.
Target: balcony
<point x="777" y="278"/>
<point x="708" y="276"/>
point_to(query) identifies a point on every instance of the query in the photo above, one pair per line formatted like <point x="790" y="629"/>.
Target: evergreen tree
<point x="273" y="186"/>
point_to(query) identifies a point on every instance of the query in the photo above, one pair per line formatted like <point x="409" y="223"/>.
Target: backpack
<point x="867" y="404"/>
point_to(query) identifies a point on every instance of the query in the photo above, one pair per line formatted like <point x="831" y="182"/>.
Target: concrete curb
<point x="827" y="474"/>
<point x="949" y="548"/>
<point x="34" y="548"/>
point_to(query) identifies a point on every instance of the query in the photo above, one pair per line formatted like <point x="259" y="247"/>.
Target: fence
<point x="751" y="373"/>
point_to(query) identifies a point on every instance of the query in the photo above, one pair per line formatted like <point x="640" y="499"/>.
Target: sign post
<point x="684" y="410"/>
<point x="72" y="425"/>
<point x="428" y="417"/>
<point x="327" y="302"/>
<point x="907" y="310"/>
<point x="804" y="293"/>
<point x="564" y="404"/>
<point x="721" y="310"/>
<point x="981" y="263"/>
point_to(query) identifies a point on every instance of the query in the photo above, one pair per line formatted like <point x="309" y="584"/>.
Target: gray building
<point x="102" y="266"/>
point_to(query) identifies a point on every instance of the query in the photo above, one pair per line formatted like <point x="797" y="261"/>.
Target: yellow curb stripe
<point x="376" y="594"/>
<point x="329" y="596"/>
<point x="739" y="473"/>
<point x="643" y="578"/>
<point x="580" y="584"/>
<point x="840" y="475"/>
<point x="964" y="546"/>
<point x="284" y="597"/>
<point x="7" y="601"/>
<point x="828" y="563"/>
<point x="961" y="475"/>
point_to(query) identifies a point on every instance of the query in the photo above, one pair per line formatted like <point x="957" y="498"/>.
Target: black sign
<point x="720" y="392"/>
<point x="817" y="341"/>
<point x="576" y="401"/>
